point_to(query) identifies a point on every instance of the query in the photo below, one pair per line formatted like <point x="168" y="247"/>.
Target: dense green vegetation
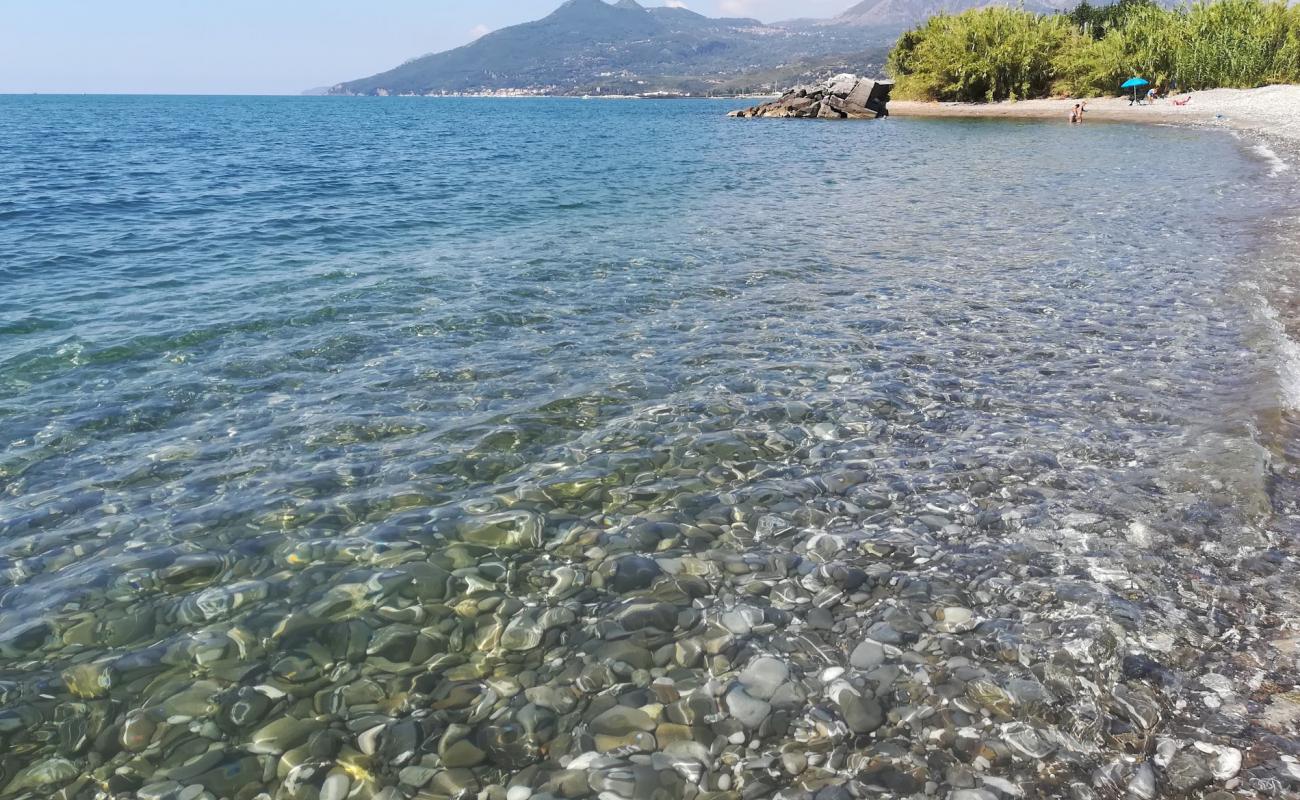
<point x="1003" y="53"/>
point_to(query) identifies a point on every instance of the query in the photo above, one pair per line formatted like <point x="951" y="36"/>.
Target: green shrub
<point x="1097" y="21"/>
<point x="1151" y="38"/>
<point x="1288" y="58"/>
<point x="1000" y="53"/>
<point x="1086" y="67"/>
<point x="986" y="54"/>
<point x="1235" y="43"/>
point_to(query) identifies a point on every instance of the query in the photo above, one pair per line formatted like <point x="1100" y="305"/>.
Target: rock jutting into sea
<point x="842" y="97"/>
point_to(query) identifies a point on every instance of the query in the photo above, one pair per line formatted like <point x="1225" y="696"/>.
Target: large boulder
<point x="842" y="85"/>
<point x="842" y="97"/>
<point x="861" y="93"/>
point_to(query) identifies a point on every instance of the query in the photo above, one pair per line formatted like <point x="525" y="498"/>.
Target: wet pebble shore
<point x="801" y="635"/>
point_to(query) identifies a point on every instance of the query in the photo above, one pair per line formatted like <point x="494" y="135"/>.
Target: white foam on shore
<point x="1276" y="165"/>
<point x="1288" y="351"/>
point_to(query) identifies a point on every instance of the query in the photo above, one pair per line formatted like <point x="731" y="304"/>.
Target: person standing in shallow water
<point x="1076" y="114"/>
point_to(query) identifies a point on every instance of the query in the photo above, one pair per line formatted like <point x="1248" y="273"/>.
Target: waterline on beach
<point x="1288" y="351"/>
<point x="1276" y="165"/>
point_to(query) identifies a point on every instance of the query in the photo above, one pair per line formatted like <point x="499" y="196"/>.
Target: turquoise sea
<point x="508" y="449"/>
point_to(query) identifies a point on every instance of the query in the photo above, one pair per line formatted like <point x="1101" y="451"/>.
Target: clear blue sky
<point x="262" y="46"/>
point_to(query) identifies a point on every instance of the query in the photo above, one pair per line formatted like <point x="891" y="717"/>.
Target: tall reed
<point x="1005" y="53"/>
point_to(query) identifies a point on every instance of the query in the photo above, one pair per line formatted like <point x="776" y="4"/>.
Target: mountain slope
<point x="586" y="43"/>
<point x="624" y="47"/>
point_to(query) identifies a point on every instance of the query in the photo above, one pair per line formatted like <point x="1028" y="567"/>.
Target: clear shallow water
<point x="624" y="448"/>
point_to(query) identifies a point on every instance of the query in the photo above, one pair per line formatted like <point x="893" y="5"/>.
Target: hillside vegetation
<point x="1001" y="53"/>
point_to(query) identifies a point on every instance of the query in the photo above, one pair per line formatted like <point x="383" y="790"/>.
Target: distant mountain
<point x="590" y="45"/>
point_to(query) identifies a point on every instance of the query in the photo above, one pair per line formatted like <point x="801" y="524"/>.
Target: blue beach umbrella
<point x="1133" y="83"/>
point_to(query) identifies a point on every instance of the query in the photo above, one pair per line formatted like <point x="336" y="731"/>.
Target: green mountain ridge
<point x="590" y="46"/>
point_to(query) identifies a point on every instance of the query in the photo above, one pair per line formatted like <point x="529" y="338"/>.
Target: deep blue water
<point x="258" y="356"/>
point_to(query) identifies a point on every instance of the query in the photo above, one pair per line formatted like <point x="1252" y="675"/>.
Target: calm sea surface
<point x="548" y="448"/>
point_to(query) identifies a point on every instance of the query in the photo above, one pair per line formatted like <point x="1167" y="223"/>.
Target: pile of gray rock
<point x="842" y="97"/>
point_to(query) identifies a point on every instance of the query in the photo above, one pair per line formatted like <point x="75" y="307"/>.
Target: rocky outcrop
<point x="842" y="97"/>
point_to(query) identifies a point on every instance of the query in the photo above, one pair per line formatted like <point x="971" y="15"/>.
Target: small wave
<point x="1288" y="350"/>
<point x="1275" y="163"/>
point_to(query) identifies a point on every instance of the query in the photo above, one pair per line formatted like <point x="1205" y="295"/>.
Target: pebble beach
<point x="1271" y="110"/>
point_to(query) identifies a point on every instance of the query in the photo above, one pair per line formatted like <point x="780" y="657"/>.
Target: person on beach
<point x="1151" y="96"/>
<point x="1076" y="114"/>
